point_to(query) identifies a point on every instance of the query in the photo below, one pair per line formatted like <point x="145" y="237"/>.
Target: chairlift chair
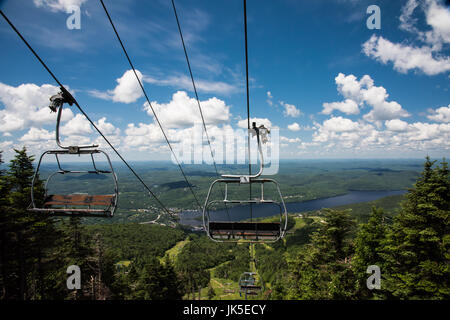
<point x="248" y="284"/>
<point x="75" y="204"/>
<point x="234" y="231"/>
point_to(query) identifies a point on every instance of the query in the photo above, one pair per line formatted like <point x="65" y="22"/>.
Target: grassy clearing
<point x="175" y="250"/>
<point x="299" y="223"/>
<point x="222" y="288"/>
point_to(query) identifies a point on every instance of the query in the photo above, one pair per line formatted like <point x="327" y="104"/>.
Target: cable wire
<point x="196" y="96"/>
<point x="150" y="105"/>
<point x="248" y="106"/>
<point x="82" y="111"/>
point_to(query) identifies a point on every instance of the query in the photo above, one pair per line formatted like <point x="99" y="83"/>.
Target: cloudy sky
<point x="333" y="87"/>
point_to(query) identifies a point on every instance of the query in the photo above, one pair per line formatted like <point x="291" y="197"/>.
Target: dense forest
<point x="325" y="254"/>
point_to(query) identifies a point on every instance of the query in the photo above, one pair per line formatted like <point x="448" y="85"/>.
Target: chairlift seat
<point x="250" y="287"/>
<point x="79" y="200"/>
<point x="80" y="212"/>
<point x="245" y="229"/>
<point x="105" y="201"/>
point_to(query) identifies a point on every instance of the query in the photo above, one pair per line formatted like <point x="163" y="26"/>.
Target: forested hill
<point x="324" y="255"/>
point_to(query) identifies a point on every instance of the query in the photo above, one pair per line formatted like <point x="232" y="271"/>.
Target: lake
<point x="260" y="210"/>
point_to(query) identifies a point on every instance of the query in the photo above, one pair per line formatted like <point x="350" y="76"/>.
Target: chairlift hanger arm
<point x="261" y="137"/>
<point x="57" y="104"/>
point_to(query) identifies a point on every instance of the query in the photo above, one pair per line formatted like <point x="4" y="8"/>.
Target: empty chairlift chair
<point x="79" y="203"/>
<point x="249" y="231"/>
<point x="249" y="284"/>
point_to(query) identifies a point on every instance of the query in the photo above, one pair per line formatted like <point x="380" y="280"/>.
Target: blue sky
<point x="333" y="88"/>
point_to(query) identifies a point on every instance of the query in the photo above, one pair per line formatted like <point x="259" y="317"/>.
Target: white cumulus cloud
<point x="183" y="111"/>
<point x="35" y="134"/>
<point x="427" y="57"/>
<point x="363" y="92"/>
<point x="339" y="124"/>
<point x="58" y="5"/>
<point x="143" y="135"/>
<point x="127" y="90"/>
<point x="348" y="107"/>
<point x="396" y="125"/>
<point x="290" y="110"/>
<point x="290" y="140"/>
<point x="441" y="114"/>
<point x="27" y="105"/>
<point x="404" y="57"/>
<point x="437" y="17"/>
<point x="398" y="136"/>
<point x="106" y="127"/>
<point x="78" y="125"/>
<point x="294" y="126"/>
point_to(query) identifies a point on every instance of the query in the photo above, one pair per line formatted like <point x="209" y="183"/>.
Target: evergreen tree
<point x="322" y="268"/>
<point x="193" y="274"/>
<point x="157" y="282"/>
<point x="4" y="192"/>
<point x="27" y="238"/>
<point x="279" y="288"/>
<point x="98" y="261"/>
<point x="115" y="279"/>
<point x="417" y="250"/>
<point x="368" y="246"/>
<point x="77" y="250"/>
<point x="211" y="292"/>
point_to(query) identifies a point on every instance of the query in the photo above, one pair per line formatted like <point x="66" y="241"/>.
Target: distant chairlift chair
<point x="248" y="284"/>
<point x="233" y="231"/>
<point x="75" y="204"/>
